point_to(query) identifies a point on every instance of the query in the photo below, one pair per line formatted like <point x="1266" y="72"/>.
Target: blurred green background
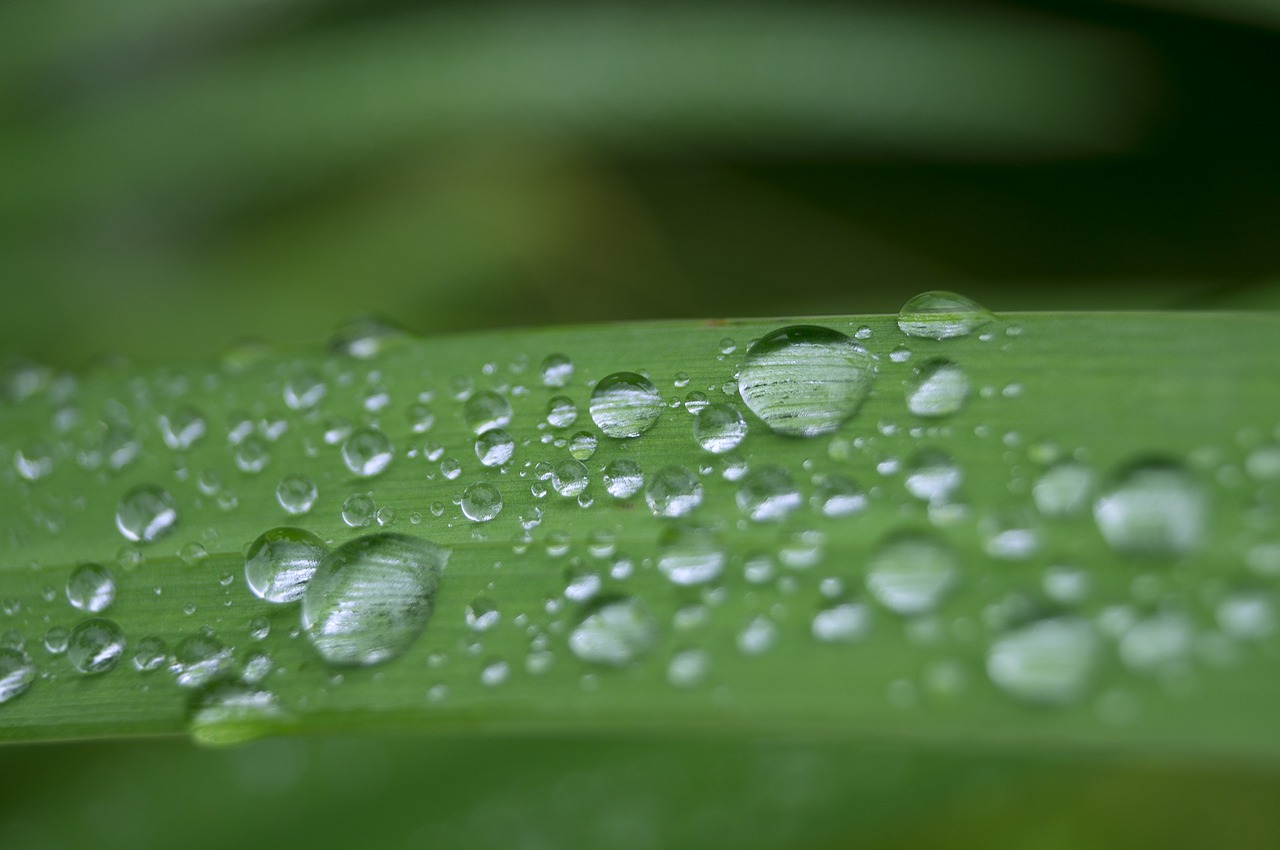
<point x="175" y="176"/>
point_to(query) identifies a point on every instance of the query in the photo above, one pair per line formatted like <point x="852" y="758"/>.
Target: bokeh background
<point x="175" y="176"/>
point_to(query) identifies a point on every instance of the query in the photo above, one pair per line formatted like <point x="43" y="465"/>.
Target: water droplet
<point x="623" y="478"/>
<point x="837" y="496"/>
<point x="937" y="388"/>
<point x="367" y="452"/>
<point x="625" y="404"/>
<point x="768" y="494"/>
<point x="1263" y="463"/>
<point x="55" y="640"/>
<point x="688" y="668"/>
<point x="1049" y="662"/>
<point x="1064" y="489"/>
<point x="582" y="445"/>
<point x="482" y="614"/>
<point x="804" y="380"/>
<point x="358" y="510"/>
<point x="845" y="622"/>
<point x="304" y="390"/>
<point x="365" y="337"/>
<point x="252" y="454"/>
<point x="673" y="491"/>
<point x="690" y="555"/>
<point x="181" y="428"/>
<point x="199" y="660"/>
<point x="757" y="637"/>
<point x="561" y="412"/>
<point x="230" y="713"/>
<point x="1154" y="508"/>
<point x="614" y="632"/>
<point x="719" y="428"/>
<point x="695" y="402"/>
<point x="296" y="493"/>
<point x="1156" y="642"/>
<point x="941" y="315"/>
<point x="372" y="597"/>
<point x="146" y="513"/>
<point x="486" y="410"/>
<point x="1246" y="615"/>
<point x="150" y="654"/>
<point x="494" y="447"/>
<point x="911" y="574"/>
<point x="570" y="477"/>
<point x="95" y="646"/>
<point x="1011" y="535"/>
<point x="481" y="502"/>
<point x="1066" y="585"/>
<point x="279" y="563"/>
<point x="91" y="588"/>
<point x="495" y="673"/>
<point x="933" y="476"/>
<point x="16" y="674"/>
<point x="557" y="370"/>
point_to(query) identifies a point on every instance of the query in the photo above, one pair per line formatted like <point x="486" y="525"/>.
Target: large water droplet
<point x="673" y="491"/>
<point x="937" y="388"/>
<point x="91" y="588"/>
<point x="690" y="555"/>
<point x="625" y="404"/>
<point x="95" y="646"/>
<point x="481" y="502"/>
<point x="1049" y="662"/>
<point x="16" y="673"/>
<point x="941" y="315"/>
<point x="486" y="410"/>
<point x="1154" y="508"/>
<point x="614" y="632"/>
<point x="804" y="380"/>
<point x="281" y="562"/>
<point x="719" y="428"/>
<point x="911" y="574"/>
<point x="145" y="513"/>
<point x="367" y="452"/>
<point x="372" y="597"/>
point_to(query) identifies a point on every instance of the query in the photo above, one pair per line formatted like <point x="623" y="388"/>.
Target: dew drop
<point x="803" y="380"/>
<point x="494" y="447"/>
<point x="482" y="614"/>
<point x="150" y="654"/>
<point x="481" y="502"/>
<point x="582" y="445"/>
<point x="486" y="410"/>
<point x="837" y="496"/>
<point x="625" y="404"/>
<point x="690" y="555"/>
<point x="358" y="510"/>
<point x="845" y="622"/>
<point x="296" y="493"/>
<point x="1156" y="642"/>
<point x="200" y="659"/>
<point x="911" y="574"/>
<point x="672" y="491"/>
<point x="561" y="412"/>
<point x="1152" y="509"/>
<point x="280" y="562"/>
<point x="95" y="646"/>
<point x="688" y="668"/>
<point x="570" y="477"/>
<point x="757" y="637"/>
<point x="304" y="390"/>
<point x="557" y="370"/>
<point x="623" y="478"/>
<point x="16" y="674"/>
<point x="719" y="428"/>
<point x="367" y="452"/>
<point x="614" y="632"/>
<point x="1049" y="662"/>
<point x="371" y="597"/>
<point x="933" y="476"/>
<point x="252" y="454"/>
<point x="91" y="588"/>
<point x="1064" y="489"/>
<point x="182" y="428"/>
<point x="768" y="494"/>
<point x="941" y="315"/>
<point x="937" y="388"/>
<point x="228" y="713"/>
<point x="146" y="513"/>
<point x="1246" y="615"/>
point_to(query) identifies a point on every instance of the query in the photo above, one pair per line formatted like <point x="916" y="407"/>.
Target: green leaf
<point x="1196" y="390"/>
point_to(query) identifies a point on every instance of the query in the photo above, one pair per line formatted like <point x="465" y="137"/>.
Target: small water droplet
<point x="690" y="555"/>
<point x="252" y="454"/>
<point x="803" y="380"/>
<point x="933" y="476"/>
<point x="181" y="428"/>
<point x="146" y="513"/>
<point x="55" y="640"/>
<point x="561" y="412"/>
<point x="296" y="493"/>
<point x="757" y="637"/>
<point x="95" y="646"/>
<point x="200" y="659"/>
<point x="1064" y="489"/>
<point x="582" y="445"/>
<point x="304" y="390"/>
<point x="623" y="478"/>
<point x="937" y="388"/>
<point x="625" y="404"/>
<point x="16" y="674"/>
<point x="482" y="614"/>
<point x="1246" y="615"/>
<point x="557" y="370"/>
<point x="371" y="597"/>
<point x="941" y="315"/>
<point x="911" y="574"/>
<point x="481" y="502"/>
<point x="150" y="654"/>
<point x="570" y="477"/>
<point x="228" y="713"/>
<point x="688" y="668"/>
<point x="367" y="452"/>
<point x="280" y="562"/>
<point x="91" y="588"/>
<point x="614" y="632"/>
<point x="1263" y="463"/>
<point x="1156" y="642"/>
<point x="844" y="622"/>
<point x="673" y="491"/>
<point x="1153" y="508"/>
<point x="495" y="673"/>
<point x="719" y="428"/>
<point x="1049" y="662"/>
<point x="768" y="494"/>
<point x="486" y="410"/>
